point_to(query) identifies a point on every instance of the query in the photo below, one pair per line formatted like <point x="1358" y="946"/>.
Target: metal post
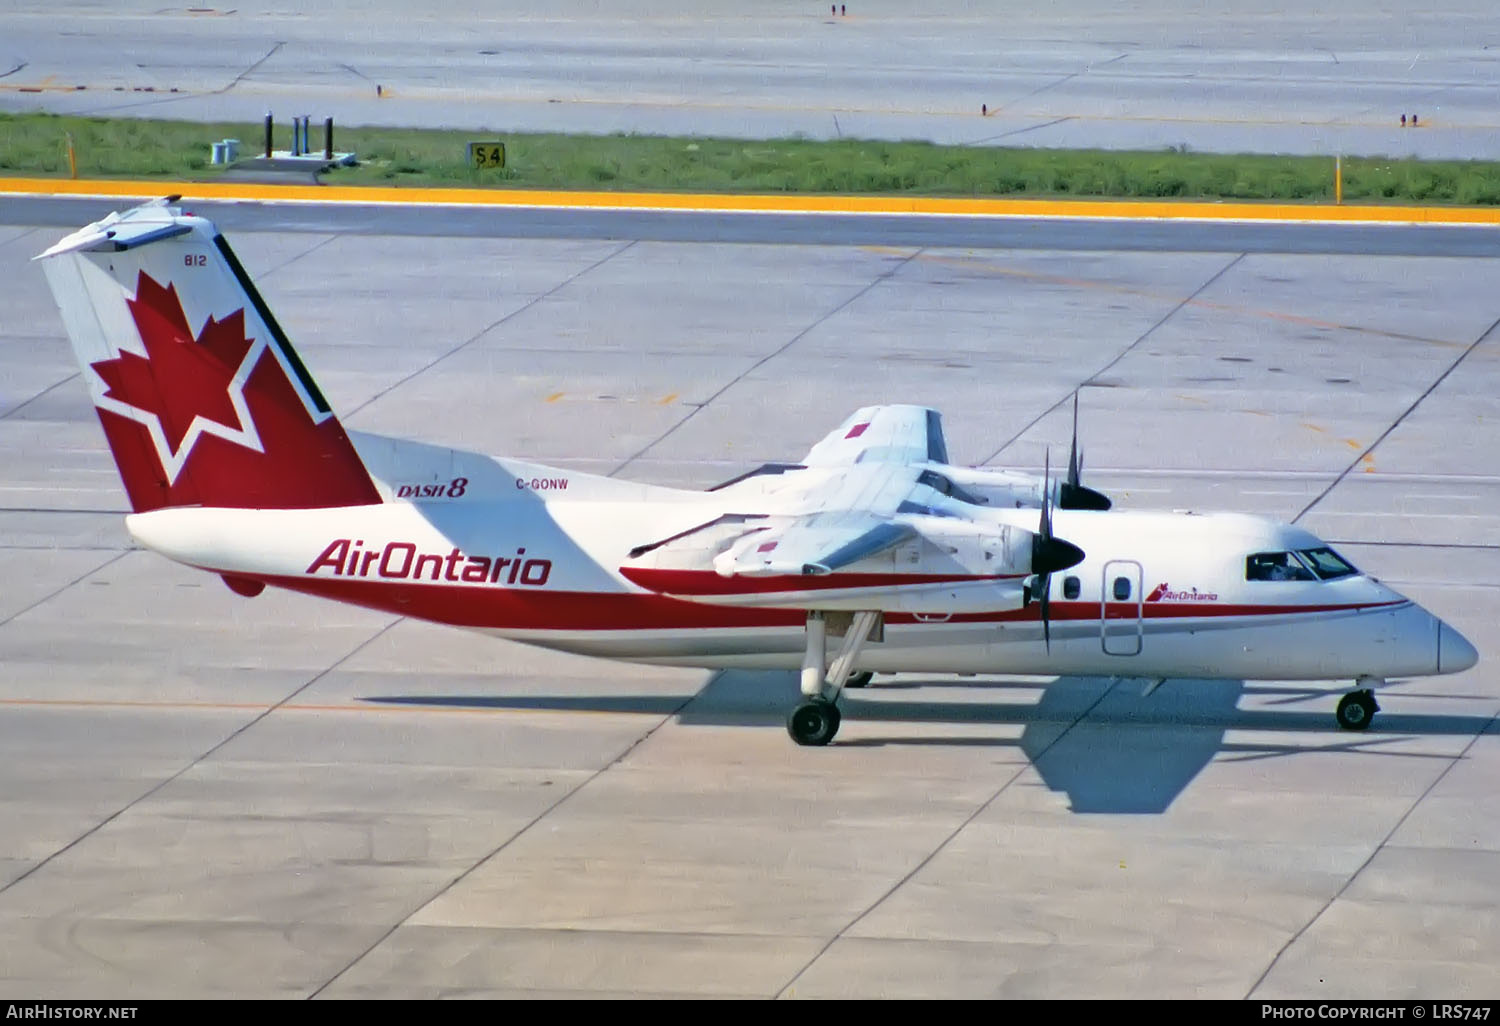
<point x="328" y="138"/>
<point x="268" y="134"/>
<point x="1338" y="179"/>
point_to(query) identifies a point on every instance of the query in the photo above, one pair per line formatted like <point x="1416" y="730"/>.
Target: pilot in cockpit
<point x="1276" y="566"/>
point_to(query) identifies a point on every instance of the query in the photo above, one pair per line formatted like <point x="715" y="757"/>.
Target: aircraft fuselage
<point x="1157" y="594"/>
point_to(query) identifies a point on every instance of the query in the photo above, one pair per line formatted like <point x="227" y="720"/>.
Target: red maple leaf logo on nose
<point x="181" y="378"/>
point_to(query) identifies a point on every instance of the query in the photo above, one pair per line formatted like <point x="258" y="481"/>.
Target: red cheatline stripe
<point x="499" y="608"/>
<point x="1206" y="610"/>
<point x="536" y="608"/>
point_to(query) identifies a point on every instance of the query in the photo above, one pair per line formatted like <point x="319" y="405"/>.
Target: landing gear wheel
<point x="1356" y="710"/>
<point x="813" y="722"/>
<point x="859" y="680"/>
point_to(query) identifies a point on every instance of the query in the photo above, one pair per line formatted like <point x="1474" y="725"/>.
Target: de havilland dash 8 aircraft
<point x="872" y="554"/>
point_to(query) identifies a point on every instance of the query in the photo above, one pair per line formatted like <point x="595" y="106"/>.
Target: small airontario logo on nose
<point x="1163" y="593"/>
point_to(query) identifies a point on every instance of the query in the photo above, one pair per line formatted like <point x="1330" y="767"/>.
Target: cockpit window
<point x="1276" y="566"/>
<point x="1320" y="564"/>
<point x="1326" y="563"/>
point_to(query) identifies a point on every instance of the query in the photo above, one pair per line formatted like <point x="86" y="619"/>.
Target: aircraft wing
<point x="906" y="564"/>
<point x="890" y="434"/>
<point x="811" y="545"/>
<point x="871" y="521"/>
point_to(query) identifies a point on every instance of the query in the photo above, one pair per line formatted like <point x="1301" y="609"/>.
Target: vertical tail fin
<point x="224" y="414"/>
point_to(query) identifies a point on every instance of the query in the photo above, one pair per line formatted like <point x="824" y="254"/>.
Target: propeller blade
<point x="1071" y="494"/>
<point x="1045" y="528"/>
<point x="1075" y="464"/>
<point x="1048" y="552"/>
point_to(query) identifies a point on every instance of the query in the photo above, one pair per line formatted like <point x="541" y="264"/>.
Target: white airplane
<point x="235" y="464"/>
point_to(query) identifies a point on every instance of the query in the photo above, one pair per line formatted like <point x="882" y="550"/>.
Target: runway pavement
<point x="203" y="795"/>
<point x="1265" y="76"/>
<point x="1192" y="227"/>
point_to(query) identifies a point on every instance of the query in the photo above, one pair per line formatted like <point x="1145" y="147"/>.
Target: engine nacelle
<point x="1010" y="489"/>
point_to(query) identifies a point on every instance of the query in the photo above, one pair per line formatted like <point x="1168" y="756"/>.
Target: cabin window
<point x="1122" y="588"/>
<point x="1326" y="563"/>
<point x="1276" y="566"/>
<point x="1072" y="587"/>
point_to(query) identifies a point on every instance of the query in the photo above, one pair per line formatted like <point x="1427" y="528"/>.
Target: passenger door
<point x="1121" y="608"/>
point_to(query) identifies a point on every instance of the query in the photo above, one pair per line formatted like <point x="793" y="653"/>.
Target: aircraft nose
<point x="1455" y="653"/>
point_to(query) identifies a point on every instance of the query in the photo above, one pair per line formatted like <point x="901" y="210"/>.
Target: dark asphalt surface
<point x="798" y="229"/>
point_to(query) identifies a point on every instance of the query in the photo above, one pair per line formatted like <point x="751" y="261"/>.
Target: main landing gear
<point x="1358" y="708"/>
<point x="816" y="720"/>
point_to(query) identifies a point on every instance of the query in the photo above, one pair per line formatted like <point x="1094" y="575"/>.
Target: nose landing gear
<point x="1357" y="708"/>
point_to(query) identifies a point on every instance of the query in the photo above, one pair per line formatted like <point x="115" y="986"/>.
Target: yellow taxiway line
<point x="1199" y="210"/>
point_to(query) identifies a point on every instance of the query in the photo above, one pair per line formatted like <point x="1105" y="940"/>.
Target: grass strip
<point x="37" y="145"/>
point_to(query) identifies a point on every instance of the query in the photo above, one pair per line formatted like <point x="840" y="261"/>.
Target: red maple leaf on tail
<point x="181" y="377"/>
<point x="300" y="463"/>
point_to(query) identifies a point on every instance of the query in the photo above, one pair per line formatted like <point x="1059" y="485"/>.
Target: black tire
<point x="859" y="680"/>
<point x="1356" y="710"/>
<point x="813" y="723"/>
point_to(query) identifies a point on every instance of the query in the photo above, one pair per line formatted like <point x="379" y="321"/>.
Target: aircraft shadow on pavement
<point x="1099" y="740"/>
